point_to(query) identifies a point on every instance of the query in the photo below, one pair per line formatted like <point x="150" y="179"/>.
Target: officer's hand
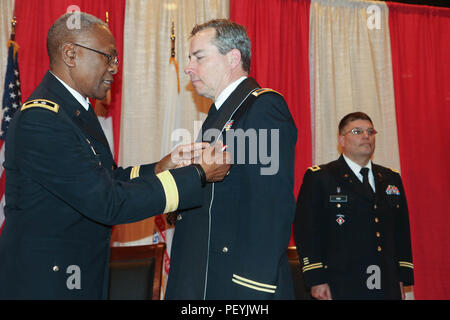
<point x="215" y="162"/>
<point x="321" y="292"/>
<point x="402" y="291"/>
<point x="182" y="155"/>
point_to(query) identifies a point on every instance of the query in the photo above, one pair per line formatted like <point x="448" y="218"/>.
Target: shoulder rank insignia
<point x="258" y="92"/>
<point x="396" y="171"/>
<point x="41" y="103"/>
<point x="314" y="168"/>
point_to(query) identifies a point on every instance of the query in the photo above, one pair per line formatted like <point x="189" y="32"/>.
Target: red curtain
<point x="279" y="32"/>
<point x="420" y="42"/>
<point x="34" y="18"/>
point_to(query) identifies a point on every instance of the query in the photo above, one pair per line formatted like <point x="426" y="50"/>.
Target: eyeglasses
<point x="113" y="60"/>
<point x="359" y="131"/>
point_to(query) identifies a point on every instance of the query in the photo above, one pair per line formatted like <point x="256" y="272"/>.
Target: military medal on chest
<point x="340" y="219"/>
<point x="228" y="125"/>
<point x="390" y="190"/>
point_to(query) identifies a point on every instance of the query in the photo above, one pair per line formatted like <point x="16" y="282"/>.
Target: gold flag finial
<point x="13" y="24"/>
<point x="13" y="28"/>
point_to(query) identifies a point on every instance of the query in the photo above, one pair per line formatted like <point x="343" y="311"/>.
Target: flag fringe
<point x="16" y="47"/>
<point x="175" y="63"/>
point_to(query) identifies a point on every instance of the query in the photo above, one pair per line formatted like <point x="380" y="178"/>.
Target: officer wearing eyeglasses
<point x="352" y="227"/>
<point x="63" y="189"/>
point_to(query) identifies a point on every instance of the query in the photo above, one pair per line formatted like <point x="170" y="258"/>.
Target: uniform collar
<point x="356" y="168"/>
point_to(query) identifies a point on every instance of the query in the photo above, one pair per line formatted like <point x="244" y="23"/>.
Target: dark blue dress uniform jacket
<point x="341" y="232"/>
<point x="63" y="194"/>
<point x="234" y="246"/>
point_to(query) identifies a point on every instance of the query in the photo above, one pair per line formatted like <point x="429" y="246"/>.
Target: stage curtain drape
<point x="420" y="41"/>
<point x="279" y="32"/>
<point x="152" y="107"/>
<point x="351" y="70"/>
<point x="34" y="18"/>
<point x="155" y="115"/>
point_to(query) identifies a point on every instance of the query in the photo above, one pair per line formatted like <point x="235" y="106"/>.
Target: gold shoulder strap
<point x="41" y="103"/>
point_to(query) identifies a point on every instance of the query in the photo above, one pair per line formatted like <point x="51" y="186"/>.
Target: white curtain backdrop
<point x="152" y="108"/>
<point x="351" y="70"/>
<point x="6" y="9"/>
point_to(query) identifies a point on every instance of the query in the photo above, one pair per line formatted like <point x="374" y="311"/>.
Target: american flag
<point x="12" y="100"/>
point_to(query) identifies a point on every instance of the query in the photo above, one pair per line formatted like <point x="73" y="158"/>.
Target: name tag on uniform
<point x="338" y="198"/>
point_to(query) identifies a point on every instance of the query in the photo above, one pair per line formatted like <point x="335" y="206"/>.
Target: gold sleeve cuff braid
<point x="135" y="172"/>
<point x="406" y="264"/>
<point x="312" y="266"/>
<point x="259" y="286"/>
<point x="170" y="190"/>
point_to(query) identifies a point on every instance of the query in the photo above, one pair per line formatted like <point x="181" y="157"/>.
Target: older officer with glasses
<point x="352" y="227"/>
<point x="63" y="189"/>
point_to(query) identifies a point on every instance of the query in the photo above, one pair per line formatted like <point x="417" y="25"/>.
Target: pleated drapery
<point x="152" y="109"/>
<point x="351" y="70"/>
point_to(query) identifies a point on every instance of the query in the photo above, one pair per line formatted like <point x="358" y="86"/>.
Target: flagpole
<point x="12" y="37"/>
<point x="10" y="104"/>
<point x="172" y="55"/>
<point x="172" y="40"/>
<point x="13" y="28"/>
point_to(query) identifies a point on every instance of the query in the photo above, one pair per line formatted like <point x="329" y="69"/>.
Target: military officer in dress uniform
<point x="63" y="189"/>
<point x="352" y="227"/>
<point x="234" y="246"/>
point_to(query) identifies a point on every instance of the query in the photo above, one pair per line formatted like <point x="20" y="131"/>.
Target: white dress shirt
<point x="356" y="168"/>
<point x="84" y="102"/>
<point x="227" y="92"/>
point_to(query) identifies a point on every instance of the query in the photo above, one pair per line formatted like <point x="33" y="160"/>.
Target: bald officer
<point x="63" y="189"/>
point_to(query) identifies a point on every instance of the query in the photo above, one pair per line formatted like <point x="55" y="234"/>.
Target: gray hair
<point x="67" y="29"/>
<point x="229" y="35"/>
